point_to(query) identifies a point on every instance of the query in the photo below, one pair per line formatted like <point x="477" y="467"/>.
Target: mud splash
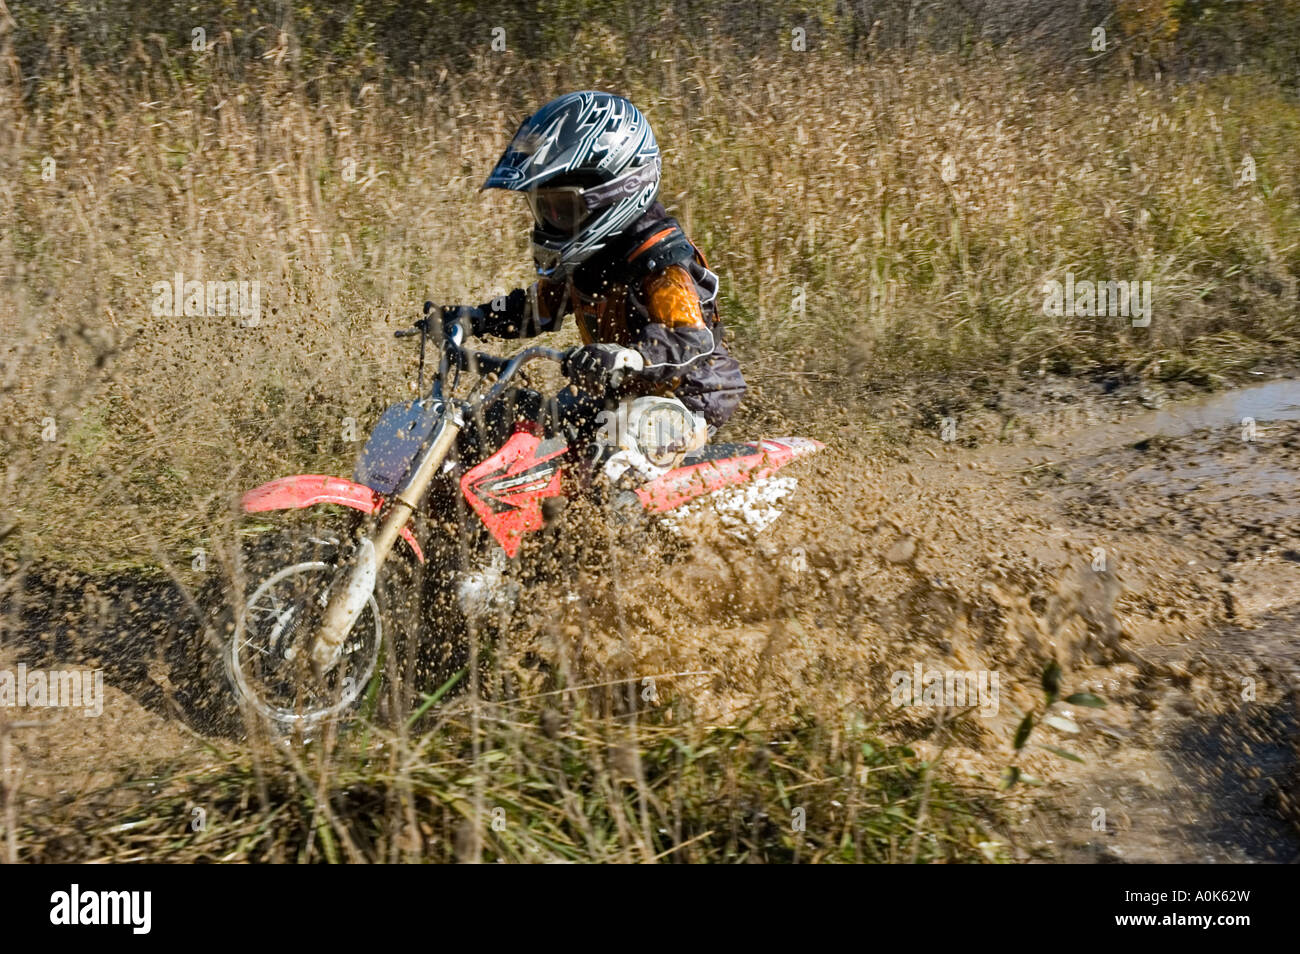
<point x="1201" y="780"/>
<point x="1154" y="556"/>
<point x="1195" y="507"/>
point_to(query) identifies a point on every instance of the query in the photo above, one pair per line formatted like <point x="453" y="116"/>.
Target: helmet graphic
<point x="589" y="166"/>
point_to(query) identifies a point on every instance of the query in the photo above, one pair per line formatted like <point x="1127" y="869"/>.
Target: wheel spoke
<point x="264" y="658"/>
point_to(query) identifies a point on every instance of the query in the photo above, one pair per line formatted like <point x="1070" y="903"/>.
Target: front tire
<point x="266" y="657"/>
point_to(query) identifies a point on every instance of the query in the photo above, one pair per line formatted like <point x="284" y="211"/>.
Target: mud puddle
<point x="1207" y="767"/>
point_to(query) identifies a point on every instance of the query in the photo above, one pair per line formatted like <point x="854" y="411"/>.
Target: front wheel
<point x="267" y="657"/>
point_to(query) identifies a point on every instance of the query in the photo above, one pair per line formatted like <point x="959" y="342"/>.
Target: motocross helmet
<point x="589" y="166"/>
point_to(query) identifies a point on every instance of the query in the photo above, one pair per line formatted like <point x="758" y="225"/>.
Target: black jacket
<point x="653" y="291"/>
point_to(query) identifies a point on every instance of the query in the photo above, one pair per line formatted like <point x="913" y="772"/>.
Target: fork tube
<point x="347" y="601"/>
<point x="408" y="498"/>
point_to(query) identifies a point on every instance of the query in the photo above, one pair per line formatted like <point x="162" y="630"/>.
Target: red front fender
<point x="308" y="490"/>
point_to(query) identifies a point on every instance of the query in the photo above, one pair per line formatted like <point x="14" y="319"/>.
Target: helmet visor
<point x="562" y="211"/>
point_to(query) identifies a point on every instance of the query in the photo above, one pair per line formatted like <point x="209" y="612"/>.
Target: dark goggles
<point x="560" y="210"/>
<point x="564" y="210"/>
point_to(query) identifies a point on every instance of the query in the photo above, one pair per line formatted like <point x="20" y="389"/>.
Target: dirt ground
<point x="1188" y="630"/>
<point x="1147" y="541"/>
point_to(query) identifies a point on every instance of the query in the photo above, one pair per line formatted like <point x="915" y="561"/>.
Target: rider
<point x="606" y="251"/>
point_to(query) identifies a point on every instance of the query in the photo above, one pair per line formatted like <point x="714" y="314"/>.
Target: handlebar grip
<point x="420" y="326"/>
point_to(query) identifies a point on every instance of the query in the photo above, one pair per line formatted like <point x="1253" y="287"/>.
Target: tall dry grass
<point x="870" y="222"/>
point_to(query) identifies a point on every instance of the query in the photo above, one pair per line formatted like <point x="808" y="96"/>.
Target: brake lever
<point x="420" y="327"/>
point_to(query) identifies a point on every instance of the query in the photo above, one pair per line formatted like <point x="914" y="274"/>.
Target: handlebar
<point x="511" y="365"/>
<point x="504" y="368"/>
<point x="481" y="361"/>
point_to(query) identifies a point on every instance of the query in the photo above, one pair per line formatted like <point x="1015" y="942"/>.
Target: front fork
<point x="348" y="600"/>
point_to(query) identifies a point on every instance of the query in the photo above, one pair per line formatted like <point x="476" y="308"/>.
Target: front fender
<point x="308" y="490"/>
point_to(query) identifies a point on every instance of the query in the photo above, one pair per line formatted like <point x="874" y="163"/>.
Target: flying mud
<point x="1150" y="546"/>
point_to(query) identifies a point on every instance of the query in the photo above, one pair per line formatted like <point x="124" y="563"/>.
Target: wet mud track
<point x="1204" y="767"/>
<point x="1157" y="555"/>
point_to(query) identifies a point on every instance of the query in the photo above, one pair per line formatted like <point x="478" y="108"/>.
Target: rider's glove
<point x="595" y="368"/>
<point x="470" y="317"/>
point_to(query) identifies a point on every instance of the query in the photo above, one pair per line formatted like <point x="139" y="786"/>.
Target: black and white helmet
<point x="589" y="166"/>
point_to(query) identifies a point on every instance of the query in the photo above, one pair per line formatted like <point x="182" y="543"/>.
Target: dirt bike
<point x="307" y="638"/>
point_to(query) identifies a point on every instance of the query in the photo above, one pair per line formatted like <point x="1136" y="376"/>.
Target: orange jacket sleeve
<point x="672" y="300"/>
<point x="676" y="341"/>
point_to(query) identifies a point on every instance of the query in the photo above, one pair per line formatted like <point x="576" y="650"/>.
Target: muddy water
<point x="985" y="557"/>
<point x="1273" y="401"/>
<point x="1209" y="769"/>
<point x="1202" y="781"/>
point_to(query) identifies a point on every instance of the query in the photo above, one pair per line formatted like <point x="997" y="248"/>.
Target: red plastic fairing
<point x="686" y="483"/>
<point x="508" y="488"/>
<point x="308" y="490"/>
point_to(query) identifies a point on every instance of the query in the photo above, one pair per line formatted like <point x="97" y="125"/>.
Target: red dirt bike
<point x="307" y="637"/>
